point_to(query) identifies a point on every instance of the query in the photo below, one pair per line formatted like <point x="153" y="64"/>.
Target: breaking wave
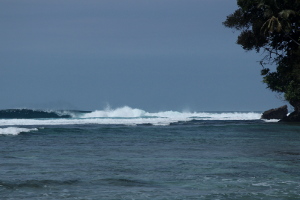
<point x="123" y="115"/>
<point x="125" y="111"/>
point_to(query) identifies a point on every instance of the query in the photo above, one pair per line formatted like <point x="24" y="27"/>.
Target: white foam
<point x="15" y="130"/>
<point x="132" y="116"/>
<point x="264" y="184"/>
<point x="208" y="115"/>
<point x="271" y="120"/>
<point x="125" y="121"/>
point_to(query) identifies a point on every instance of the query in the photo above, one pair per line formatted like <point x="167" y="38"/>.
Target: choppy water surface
<point x="196" y="159"/>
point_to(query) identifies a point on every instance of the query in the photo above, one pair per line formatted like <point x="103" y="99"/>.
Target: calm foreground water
<point x="195" y="159"/>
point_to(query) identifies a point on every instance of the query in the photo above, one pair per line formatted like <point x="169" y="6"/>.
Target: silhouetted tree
<point x="272" y="26"/>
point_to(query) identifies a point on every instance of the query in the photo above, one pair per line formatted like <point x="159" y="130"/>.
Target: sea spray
<point x="125" y="111"/>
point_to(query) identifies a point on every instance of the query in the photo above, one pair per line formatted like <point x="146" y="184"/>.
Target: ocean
<point x="128" y="153"/>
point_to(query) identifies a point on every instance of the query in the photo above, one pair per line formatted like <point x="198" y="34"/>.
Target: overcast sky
<point x="148" y="54"/>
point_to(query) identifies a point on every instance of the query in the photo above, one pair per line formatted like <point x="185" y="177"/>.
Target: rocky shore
<point x="281" y="114"/>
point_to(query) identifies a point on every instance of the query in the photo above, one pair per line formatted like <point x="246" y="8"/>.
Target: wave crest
<point x="122" y="112"/>
<point x="32" y="114"/>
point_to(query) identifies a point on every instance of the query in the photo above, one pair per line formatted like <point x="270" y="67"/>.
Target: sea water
<point x="128" y="153"/>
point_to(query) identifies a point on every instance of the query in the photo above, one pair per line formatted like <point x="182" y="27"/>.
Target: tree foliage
<point x="272" y="26"/>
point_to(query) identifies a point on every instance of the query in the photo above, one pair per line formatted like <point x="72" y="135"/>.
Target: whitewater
<point x="120" y="116"/>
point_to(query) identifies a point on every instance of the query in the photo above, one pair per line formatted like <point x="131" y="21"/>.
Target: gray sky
<point x="148" y="54"/>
